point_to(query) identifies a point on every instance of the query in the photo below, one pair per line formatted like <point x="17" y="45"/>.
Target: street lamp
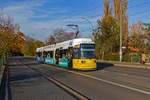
<point x="76" y="26"/>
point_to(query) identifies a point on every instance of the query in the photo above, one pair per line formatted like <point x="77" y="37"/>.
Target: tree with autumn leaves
<point x="13" y="41"/>
<point x="30" y="46"/>
<point x="106" y="36"/>
<point x="18" y="43"/>
<point x="7" y="36"/>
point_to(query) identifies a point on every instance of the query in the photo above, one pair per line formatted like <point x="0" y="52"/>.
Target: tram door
<point x="69" y="54"/>
<point x="57" y="56"/>
<point x="49" y="58"/>
<point x="63" y="59"/>
<point x="44" y="55"/>
<point x="38" y="57"/>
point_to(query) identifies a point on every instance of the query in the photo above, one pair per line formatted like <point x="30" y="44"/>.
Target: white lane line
<point x="106" y="81"/>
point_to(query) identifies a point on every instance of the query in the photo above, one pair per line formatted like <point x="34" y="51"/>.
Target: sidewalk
<point x="127" y="64"/>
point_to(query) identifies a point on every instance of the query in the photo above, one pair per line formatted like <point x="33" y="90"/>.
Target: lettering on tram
<point x="76" y="54"/>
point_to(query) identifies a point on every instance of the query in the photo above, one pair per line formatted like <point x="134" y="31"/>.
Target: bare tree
<point x="60" y="35"/>
<point x="137" y="37"/>
<point x="50" y="40"/>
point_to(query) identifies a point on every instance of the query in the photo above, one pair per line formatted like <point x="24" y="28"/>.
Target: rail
<point x="75" y="93"/>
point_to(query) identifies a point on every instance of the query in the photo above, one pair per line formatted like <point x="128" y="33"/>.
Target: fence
<point x="1" y="61"/>
<point x="3" y="78"/>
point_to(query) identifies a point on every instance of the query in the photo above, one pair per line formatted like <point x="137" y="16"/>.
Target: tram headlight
<point x="83" y="61"/>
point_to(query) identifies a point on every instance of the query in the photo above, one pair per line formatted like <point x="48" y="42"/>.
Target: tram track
<point x="73" y="92"/>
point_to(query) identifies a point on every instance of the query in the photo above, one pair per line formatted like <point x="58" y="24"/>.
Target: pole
<point x="120" y="51"/>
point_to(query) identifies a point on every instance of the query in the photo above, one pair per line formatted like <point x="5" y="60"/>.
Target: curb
<point x="124" y="64"/>
<point x="132" y="66"/>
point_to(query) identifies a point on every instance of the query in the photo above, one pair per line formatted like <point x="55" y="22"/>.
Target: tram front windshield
<point x="87" y="51"/>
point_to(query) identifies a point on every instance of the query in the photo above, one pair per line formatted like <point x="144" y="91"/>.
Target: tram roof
<point x="39" y="49"/>
<point x="65" y="44"/>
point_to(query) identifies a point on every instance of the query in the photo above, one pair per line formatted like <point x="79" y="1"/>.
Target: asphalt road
<point x="107" y="83"/>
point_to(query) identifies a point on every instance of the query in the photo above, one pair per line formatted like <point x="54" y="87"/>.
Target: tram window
<point x="88" y="54"/>
<point x="60" y="54"/>
<point x="57" y="54"/>
<point x="76" y="53"/>
<point x="63" y="53"/>
<point x="38" y="54"/>
<point x="88" y="46"/>
<point x="44" y="54"/>
<point x="50" y="54"/>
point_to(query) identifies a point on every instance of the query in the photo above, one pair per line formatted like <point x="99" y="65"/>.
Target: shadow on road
<point x="103" y="65"/>
<point x="24" y="77"/>
<point x="24" y="64"/>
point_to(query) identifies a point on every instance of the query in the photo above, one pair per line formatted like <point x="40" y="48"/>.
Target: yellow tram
<point x="76" y="54"/>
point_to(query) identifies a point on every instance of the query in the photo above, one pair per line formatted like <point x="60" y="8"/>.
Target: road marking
<point x="106" y="81"/>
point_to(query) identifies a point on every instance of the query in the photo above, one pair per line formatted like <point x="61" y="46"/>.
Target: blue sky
<point x="39" y="18"/>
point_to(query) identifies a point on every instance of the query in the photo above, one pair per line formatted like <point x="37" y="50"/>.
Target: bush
<point x="111" y="57"/>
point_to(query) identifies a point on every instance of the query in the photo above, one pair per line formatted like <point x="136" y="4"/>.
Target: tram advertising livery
<point x="76" y="54"/>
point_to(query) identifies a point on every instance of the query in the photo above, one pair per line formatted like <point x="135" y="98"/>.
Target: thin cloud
<point x="35" y="20"/>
